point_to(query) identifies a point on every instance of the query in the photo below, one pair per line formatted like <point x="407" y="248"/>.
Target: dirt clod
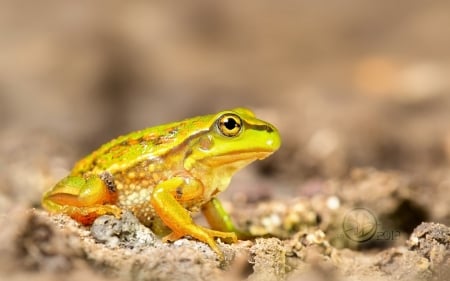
<point x="432" y="241"/>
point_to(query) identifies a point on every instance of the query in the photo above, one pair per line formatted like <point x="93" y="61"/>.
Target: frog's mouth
<point x="242" y="157"/>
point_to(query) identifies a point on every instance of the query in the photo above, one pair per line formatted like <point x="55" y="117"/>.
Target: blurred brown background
<point x="348" y="83"/>
<point x="360" y="91"/>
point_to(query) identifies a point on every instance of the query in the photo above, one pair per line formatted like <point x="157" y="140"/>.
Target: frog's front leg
<point x="83" y="199"/>
<point x="166" y="199"/>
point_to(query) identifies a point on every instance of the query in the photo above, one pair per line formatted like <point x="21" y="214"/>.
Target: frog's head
<point x="231" y="140"/>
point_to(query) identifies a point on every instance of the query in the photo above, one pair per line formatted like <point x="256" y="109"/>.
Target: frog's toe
<point x="172" y="237"/>
<point x="229" y="237"/>
<point x="202" y="234"/>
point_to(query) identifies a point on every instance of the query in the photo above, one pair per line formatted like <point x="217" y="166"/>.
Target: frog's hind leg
<point x="83" y="199"/>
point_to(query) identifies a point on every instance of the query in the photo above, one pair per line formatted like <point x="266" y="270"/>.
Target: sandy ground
<point x="359" y="91"/>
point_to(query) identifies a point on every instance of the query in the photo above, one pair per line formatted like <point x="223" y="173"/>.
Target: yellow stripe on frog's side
<point x="153" y="142"/>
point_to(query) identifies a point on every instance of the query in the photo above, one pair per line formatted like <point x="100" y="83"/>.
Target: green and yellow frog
<point x="164" y="173"/>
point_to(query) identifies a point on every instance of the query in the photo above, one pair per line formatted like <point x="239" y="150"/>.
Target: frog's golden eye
<point x="229" y="125"/>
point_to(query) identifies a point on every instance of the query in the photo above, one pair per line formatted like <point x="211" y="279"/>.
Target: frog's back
<point x="154" y="142"/>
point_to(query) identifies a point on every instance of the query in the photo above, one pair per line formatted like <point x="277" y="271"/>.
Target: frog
<point x="166" y="173"/>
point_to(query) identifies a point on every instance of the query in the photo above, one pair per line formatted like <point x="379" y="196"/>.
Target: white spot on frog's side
<point x="131" y="175"/>
<point x="131" y="199"/>
<point x="144" y="195"/>
<point x="136" y="198"/>
<point x="144" y="212"/>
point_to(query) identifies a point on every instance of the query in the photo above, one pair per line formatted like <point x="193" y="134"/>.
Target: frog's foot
<point x="205" y="235"/>
<point x="228" y="237"/>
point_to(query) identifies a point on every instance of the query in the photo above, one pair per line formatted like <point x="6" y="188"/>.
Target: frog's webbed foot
<point x="205" y="235"/>
<point x="227" y="236"/>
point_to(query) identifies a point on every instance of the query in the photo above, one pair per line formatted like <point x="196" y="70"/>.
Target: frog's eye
<point x="229" y="125"/>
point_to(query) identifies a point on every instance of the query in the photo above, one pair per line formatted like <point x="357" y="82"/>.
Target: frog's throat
<point x="221" y="168"/>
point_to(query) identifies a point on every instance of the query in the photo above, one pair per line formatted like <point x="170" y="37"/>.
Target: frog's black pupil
<point x="230" y="123"/>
